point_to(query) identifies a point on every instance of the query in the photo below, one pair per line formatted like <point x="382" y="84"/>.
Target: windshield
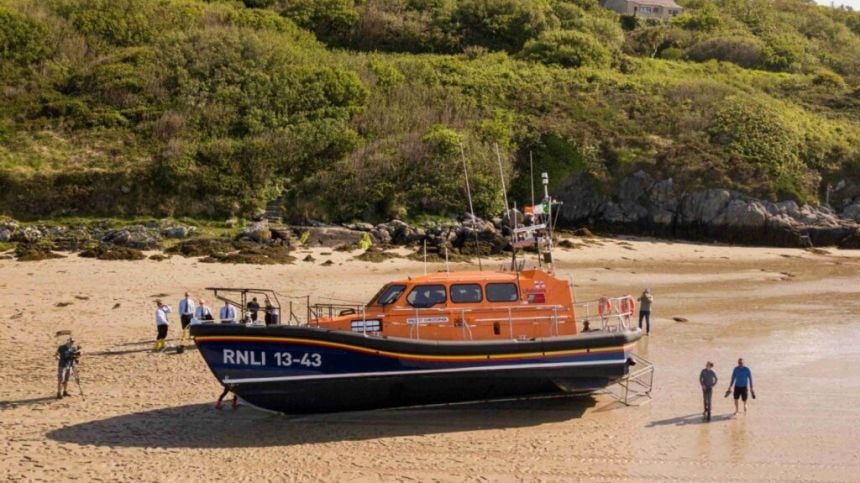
<point x="388" y="295"/>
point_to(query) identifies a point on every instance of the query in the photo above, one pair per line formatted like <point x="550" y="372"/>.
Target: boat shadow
<point x="202" y="426"/>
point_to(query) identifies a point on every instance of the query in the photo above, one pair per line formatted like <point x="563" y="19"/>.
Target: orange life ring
<point x="604" y="306"/>
<point x="628" y="305"/>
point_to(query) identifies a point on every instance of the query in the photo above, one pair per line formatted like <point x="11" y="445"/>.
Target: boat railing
<point x="509" y="316"/>
<point x="614" y="314"/>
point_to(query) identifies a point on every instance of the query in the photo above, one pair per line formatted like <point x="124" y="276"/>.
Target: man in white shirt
<point x="162" y="324"/>
<point x="202" y="312"/>
<point x="186" y="312"/>
<point x="227" y="313"/>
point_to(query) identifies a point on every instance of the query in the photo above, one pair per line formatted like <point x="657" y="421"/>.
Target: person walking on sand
<point x="708" y="379"/>
<point x="227" y="313"/>
<point x="742" y="382"/>
<point x="162" y="324"/>
<point x="186" y="313"/>
<point x="645" y="301"/>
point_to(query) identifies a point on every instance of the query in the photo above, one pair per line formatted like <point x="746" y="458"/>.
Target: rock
<point x="137" y="236"/>
<point x="257" y="231"/>
<point x="5" y="234"/>
<point x="177" y="232"/>
<point x="332" y="236"/>
<point x="852" y="212"/>
<point x="27" y="234"/>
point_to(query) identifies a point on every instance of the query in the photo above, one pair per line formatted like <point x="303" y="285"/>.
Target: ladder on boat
<point x="634" y="389"/>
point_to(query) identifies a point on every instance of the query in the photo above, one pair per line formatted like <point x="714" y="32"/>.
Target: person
<point x="742" y="382"/>
<point x="186" y="312"/>
<point x="271" y="313"/>
<point x="162" y="324"/>
<point x="223" y="395"/>
<point x="66" y="356"/>
<point x="202" y="312"/>
<point x="708" y="379"/>
<point x="645" y="310"/>
<point x="253" y="308"/>
<point x="227" y="313"/>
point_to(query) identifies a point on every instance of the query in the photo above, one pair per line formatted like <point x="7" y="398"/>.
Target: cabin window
<point x="390" y="294"/>
<point x="645" y="10"/>
<point x="502" y="292"/>
<point x="424" y="296"/>
<point x="467" y="293"/>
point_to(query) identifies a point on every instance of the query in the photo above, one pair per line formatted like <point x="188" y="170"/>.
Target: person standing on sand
<point x="162" y="324"/>
<point x="645" y="301"/>
<point x="708" y="379"/>
<point x="186" y="312"/>
<point x="741" y="380"/>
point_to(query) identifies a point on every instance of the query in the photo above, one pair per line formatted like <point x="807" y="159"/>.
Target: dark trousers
<point x="645" y="314"/>
<point x="162" y="332"/>
<point x="706" y="394"/>
<point x="186" y="319"/>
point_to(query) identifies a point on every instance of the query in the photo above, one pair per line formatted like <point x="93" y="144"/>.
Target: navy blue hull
<point x="302" y="370"/>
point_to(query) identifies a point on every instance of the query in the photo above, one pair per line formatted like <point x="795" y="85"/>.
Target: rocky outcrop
<point x="644" y="205"/>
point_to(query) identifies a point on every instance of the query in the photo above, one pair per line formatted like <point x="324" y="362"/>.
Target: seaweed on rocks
<point x="203" y="247"/>
<point x="374" y="255"/>
<point x="106" y="251"/>
<point x="33" y="252"/>
<point x="253" y="254"/>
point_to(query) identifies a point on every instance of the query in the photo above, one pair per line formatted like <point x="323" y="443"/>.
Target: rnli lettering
<point x="244" y="358"/>
<point x="278" y="359"/>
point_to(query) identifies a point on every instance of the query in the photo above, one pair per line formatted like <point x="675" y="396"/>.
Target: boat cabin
<point x="465" y="306"/>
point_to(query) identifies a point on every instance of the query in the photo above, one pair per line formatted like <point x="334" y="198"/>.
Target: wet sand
<point x="792" y="314"/>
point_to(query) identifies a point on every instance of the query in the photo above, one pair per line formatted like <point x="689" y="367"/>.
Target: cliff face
<point x="644" y="205"/>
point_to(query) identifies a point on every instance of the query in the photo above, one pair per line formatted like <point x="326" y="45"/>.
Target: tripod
<point x="74" y="372"/>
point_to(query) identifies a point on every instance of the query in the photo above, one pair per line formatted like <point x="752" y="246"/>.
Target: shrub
<point x="22" y="39"/>
<point x="743" y="51"/>
<point x="567" y="48"/>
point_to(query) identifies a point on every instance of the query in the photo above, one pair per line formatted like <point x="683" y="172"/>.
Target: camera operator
<point x="67" y="355"/>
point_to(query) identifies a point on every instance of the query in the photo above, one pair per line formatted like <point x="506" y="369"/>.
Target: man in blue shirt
<point x="741" y="380"/>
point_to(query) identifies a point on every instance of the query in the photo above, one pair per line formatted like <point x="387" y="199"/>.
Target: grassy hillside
<point x="358" y="109"/>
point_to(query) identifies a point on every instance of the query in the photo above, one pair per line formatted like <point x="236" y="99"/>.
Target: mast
<point x="471" y="208"/>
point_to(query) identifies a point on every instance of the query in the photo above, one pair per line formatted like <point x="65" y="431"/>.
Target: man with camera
<point x="67" y="355"/>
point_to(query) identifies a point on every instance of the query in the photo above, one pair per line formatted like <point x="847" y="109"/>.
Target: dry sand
<point x="792" y="314"/>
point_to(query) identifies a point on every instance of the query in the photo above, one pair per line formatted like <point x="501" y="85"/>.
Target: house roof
<point x="657" y="3"/>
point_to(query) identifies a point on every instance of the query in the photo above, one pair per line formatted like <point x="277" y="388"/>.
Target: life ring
<point x="628" y="305"/>
<point x="604" y="306"/>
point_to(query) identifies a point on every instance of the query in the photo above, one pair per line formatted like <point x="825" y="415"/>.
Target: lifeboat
<point x="431" y="339"/>
<point x="437" y="338"/>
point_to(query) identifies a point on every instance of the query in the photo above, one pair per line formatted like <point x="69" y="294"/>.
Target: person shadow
<point x="25" y="402"/>
<point x="690" y="419"/>
<point x="202" y="426"/>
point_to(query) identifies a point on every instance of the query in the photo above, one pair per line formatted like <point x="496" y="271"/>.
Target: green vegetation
<point x="364" y="109"/>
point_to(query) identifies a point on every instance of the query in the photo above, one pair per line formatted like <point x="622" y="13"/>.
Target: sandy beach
<point x="794" y="315"/>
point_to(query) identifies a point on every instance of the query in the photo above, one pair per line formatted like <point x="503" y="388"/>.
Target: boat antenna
<point x="548" y="254"/>
<point x="513" y="223"/>
<point x="532" y="176"/>
<point x="447" y="268"/>
<point x="425" y="257"/>
<point x="502" y="176"/>
<point x="471" y="208"/>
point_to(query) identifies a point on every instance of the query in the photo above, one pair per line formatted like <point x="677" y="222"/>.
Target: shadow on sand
<point x="695" y="418"/>
<point x="26" y="402"/>
<point x="202" y="426"/>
